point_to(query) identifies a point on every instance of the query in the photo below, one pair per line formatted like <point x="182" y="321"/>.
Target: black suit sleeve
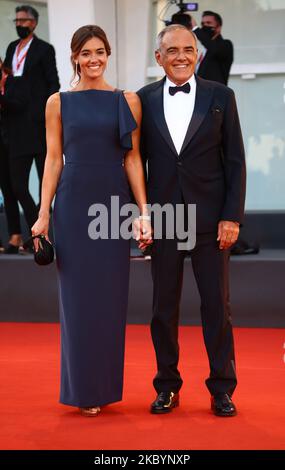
<point x="12" y="104"/>
<point x="234" y="163"/>
<point x="15" y="96"/>
<point x="142" y="140"/>
<point x="219" y="48"/>
<point x="8" y="57"/>
<point x="50" y="70"/>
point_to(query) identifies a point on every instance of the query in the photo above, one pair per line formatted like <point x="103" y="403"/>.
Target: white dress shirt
<point x="17" y="60"/>
<point x="178" y="110"/>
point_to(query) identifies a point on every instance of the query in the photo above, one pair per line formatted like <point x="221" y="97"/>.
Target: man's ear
<point x="158" y="57"/>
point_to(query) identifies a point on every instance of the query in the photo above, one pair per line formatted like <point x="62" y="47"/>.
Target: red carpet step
<point x="32" y="418"/>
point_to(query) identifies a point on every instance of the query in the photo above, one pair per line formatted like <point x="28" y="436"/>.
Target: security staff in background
<point x="34" y="76"/>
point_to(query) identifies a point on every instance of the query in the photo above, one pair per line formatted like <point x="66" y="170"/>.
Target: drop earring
<point x="76" y="77"/>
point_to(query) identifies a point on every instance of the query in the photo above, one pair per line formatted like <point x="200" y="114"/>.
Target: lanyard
<point x="19" y="61"/>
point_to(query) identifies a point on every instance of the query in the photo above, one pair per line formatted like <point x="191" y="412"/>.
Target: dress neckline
<point x="92" y="89"/>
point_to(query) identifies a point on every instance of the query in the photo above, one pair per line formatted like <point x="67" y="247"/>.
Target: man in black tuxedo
<point x="191" y="140"/>
<point x="33" y="79"/>
<point x="215" y="61"/>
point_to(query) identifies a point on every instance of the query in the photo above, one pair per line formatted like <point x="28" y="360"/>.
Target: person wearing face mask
<point x="34" y="77"/>
<point x="215" y="61"/>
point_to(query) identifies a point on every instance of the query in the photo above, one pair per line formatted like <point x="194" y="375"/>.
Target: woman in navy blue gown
<point x="96" y="127"/>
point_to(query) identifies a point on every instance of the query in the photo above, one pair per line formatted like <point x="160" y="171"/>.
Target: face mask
<point x="209" y="30"/>
<point x="23" y="31"/>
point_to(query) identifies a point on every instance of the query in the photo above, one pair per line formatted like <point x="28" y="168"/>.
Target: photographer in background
<point x="215" y="60"/>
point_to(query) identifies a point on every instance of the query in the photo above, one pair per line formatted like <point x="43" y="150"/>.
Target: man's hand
<point x="227" y="233"/>
<point x="142" y="232"/>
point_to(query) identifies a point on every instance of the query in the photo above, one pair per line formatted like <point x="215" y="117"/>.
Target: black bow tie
<point x="174" y="89"/>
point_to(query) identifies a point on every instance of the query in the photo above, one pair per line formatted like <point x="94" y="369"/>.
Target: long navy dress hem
<point x="93" y="274"/>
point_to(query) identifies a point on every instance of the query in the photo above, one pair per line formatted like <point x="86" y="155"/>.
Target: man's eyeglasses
<point x="22" y="20"/>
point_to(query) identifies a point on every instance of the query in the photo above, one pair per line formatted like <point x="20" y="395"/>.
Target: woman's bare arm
<point x="53" y="162"/>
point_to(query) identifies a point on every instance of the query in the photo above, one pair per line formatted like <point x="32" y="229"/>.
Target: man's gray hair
<point x="168" y="29"/>
<point x="29" y="10"/>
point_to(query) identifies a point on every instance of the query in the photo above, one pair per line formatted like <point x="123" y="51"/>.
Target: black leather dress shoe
<point x="164" y="402"/>
<point x="222" y="405"/>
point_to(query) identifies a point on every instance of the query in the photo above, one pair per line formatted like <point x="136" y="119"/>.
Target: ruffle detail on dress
<point x="127" y="123"/>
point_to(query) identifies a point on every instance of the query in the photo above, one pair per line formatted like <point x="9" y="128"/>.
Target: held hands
<point x="227" y="234"/>
<point x="142" y="232"/>
<point x="41" y="227"/>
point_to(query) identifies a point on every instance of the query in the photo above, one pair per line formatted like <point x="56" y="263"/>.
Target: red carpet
<point x="31" y="417"/>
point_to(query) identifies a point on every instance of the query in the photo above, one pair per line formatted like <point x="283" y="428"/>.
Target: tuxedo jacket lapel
<point x="31" y="54"/>
<point x="202" y="103"/>
<point x="10" y="55"/>
<point x="155" y="99"/>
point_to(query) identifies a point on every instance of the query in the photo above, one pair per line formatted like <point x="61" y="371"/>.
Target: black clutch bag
<point x="45" y="253"/>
